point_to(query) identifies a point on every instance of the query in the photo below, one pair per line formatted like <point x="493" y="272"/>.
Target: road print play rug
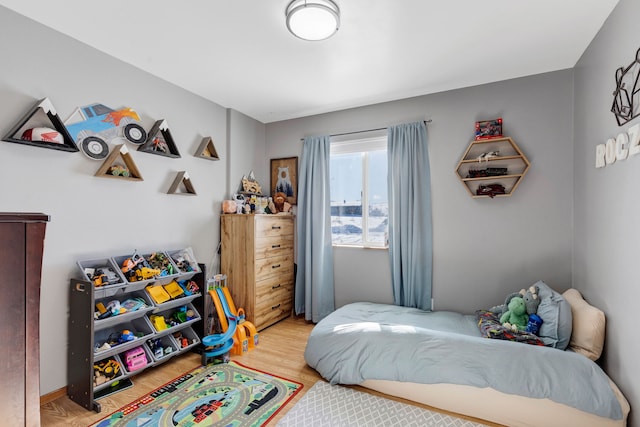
<point x="227" y="394"/>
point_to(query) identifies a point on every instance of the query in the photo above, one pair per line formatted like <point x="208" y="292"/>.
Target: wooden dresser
<point x="257" y="257"/>
<point x="21" y="248"/>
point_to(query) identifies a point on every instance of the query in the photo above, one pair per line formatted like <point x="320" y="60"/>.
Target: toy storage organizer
<point x="148" y="343"/>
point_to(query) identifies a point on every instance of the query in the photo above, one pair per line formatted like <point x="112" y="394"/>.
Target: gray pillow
<point x="555" y="312"/>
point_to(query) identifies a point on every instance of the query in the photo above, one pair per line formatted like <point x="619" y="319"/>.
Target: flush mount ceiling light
<point x="313" y="19"/>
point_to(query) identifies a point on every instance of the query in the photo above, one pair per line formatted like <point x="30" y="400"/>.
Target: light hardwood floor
<point x="280" y="352"/>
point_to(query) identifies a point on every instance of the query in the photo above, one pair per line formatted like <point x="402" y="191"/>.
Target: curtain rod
<point x="363" y="131"/>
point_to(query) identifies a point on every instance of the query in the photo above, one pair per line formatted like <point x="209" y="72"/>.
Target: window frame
<point x="363" y="145"/>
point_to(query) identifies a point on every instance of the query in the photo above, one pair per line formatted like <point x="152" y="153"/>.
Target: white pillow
<point x="587" y="337"/>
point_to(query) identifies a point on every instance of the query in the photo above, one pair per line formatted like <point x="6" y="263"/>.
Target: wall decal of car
<point x="100" y="124"/>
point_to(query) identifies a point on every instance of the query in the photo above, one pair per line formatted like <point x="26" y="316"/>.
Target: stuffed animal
<point x="516" y="316"/>
<point x="531" y="299"/>
<point x="279" y="200"/>
<point x="499" y="310"/>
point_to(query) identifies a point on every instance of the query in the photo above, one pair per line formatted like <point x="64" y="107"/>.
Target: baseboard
<point x="50" y="397"/>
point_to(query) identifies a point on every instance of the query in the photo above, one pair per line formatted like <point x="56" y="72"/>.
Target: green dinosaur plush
<point x="516" y="316"/>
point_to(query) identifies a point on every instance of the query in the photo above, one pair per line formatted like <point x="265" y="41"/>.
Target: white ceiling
<point x="239" y="54"/>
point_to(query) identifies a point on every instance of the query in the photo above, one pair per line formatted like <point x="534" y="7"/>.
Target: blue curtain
<point x="314" y="294"/>
<point x="410" y="233"/>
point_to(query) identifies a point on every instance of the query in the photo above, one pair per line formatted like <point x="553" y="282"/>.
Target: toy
<point x="189" y="287"/>
<point x="159" y="145"/>
<point x="103" y="275"/>
<point x="531" y="299"/>
<point x="126" y="336"/>
<point x="239" y="199"/>
<point x="104" y="371"/>
<point x="130" y="264"/>
<point x="161" y="262"/>
<point x="279" y="199"/>
<point x="183" y="264"/>
<point x="158" y="294"/>
<point x="173" y="289"/>
<point x="515" y="318"/>
<point x="271" y="206"/>
<point x="490" y="190"/>
<point x="487" y="129"/>
<point x="119" y="170"/>
<point x="135" y="359"/>
<point x="158" y="322"/>
<point x="156" y="348"/>
<point x="136" y="269"/>
<point x="101" y="310"/>
<point x="185" y="261"/>
<point x="250" y="184"/>
<point x="534" y="323"/>
<point x="115" y="308"/>
<point x="146" y="273"/>
<point x="43" y="135"/>
<point x="488" y="155"/>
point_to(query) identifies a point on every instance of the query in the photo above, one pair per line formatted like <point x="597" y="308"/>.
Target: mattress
<point x="501" y="408"/>
<point x="440" y="359"/>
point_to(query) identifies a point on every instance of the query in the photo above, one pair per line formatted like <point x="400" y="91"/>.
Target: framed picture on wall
<point x="284" y="178"/>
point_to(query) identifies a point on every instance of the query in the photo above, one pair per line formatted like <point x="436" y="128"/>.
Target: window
<point x="358" y="185"/>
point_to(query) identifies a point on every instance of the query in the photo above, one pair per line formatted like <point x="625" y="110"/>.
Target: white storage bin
<point x="186" y="262"/>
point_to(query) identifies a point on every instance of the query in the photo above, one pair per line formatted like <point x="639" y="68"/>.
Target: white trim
<point x="359" y="145"/>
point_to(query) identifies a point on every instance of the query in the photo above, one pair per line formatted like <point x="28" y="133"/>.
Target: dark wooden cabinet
<point x="21" y="248"/>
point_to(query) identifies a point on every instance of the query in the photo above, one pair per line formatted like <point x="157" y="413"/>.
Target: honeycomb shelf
<point x="492" y="163"/>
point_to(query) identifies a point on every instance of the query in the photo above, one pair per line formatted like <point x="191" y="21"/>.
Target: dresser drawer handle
<point x="275" y="266"/>
<point x="275" y="246"/>
<point x="275" y="306"/>
<point x="275" y="227"/>
<point x="276" y="286"/>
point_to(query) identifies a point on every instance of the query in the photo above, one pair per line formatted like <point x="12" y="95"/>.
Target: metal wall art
<point x="626" y="97"/>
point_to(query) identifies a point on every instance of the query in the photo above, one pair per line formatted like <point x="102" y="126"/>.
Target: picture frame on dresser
<point x="284" y="178"/>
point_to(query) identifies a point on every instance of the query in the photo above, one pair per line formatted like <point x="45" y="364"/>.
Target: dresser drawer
<point x="269" y="312"/>
<point x="273" y="266"/>
<point x="273" y="246"/>
<point x="276" y="285"/>
<point x="267" y="226"/>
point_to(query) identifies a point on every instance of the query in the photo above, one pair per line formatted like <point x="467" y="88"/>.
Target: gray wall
<point x="246" y="151"/>
<point x="607" y="201"/>
<point x="483" y="248"/>
<point x="94" y="217"/>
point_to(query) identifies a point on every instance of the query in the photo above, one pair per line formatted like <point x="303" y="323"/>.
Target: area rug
<point x="327" y="405"/>
<point x="227" y="394"/>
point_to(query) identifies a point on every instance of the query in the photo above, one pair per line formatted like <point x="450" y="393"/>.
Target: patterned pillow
<point x="490" y="327"/>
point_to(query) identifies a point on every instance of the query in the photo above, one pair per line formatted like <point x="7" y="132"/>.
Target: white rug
<point x="325" y="405"/>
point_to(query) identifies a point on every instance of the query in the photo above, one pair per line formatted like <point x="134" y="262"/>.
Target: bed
<point x="446" y="360"/>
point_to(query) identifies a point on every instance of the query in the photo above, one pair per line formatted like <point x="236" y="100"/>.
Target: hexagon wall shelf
<point x="492" y="167"/>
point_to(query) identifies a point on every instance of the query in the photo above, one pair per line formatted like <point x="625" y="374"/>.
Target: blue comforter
<point x="363" y="341"/>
